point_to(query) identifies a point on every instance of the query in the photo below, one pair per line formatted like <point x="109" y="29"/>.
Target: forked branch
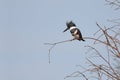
<point x="53" y="45"/>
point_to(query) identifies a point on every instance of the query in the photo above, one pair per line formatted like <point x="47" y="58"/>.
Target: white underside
<point x="73" y="27"/>
<point x="77" y="36"/>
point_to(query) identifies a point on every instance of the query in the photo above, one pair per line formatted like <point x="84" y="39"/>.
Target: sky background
<point x="25" y="25"/>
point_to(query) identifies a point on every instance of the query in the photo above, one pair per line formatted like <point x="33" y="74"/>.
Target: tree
<point x="109" y="38"/>
<point x="105" y="70"/>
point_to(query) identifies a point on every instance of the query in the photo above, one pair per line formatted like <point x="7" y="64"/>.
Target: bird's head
<point x="69" y="24"/>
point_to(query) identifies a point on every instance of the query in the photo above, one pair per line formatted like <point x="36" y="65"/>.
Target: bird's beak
<point x="66" y="29"/>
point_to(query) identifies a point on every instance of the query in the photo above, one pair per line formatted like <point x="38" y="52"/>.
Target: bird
<point x="74" y="31"/>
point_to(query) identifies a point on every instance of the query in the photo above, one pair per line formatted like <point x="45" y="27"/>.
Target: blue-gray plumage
<point x="74" y="31"/>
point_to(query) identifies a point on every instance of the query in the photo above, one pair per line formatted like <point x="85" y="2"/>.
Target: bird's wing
<point x="78" y="32"/>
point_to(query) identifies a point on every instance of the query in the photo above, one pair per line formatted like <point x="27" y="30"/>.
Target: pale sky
<point x="25" y="25"/>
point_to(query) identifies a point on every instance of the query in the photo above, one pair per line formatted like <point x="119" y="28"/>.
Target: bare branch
<point x="53" y="45"/>
<point x="103" y="69"/>
<point x="115" y="3"/>
<point x="76" y="74"/>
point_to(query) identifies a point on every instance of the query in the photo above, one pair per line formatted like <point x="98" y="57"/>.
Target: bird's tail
<point x="82" y="39"/>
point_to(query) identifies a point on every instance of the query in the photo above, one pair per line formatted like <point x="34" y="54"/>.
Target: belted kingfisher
<point x="74" y="30"/>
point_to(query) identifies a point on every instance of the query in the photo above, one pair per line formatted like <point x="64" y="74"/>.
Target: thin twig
<point x="100" y="68"/>
<point x="100" y="42"/>
<point x="110" y="66"/>
<point x="53" y="45"/>
<point x="76" y="74"/>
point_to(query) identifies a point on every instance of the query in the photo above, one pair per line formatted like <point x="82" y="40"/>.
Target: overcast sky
<point x="25" y="25"/>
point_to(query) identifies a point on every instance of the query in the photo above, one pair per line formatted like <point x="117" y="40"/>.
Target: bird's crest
<point x="69" y="24"/>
